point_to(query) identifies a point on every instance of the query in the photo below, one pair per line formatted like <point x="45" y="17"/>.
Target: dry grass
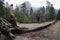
<point x="56" y="30"/>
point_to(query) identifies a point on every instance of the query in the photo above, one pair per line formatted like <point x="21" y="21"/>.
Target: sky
<point x="35" y="3"/>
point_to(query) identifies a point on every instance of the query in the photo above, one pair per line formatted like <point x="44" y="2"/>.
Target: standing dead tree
<point x="12" y="16"/>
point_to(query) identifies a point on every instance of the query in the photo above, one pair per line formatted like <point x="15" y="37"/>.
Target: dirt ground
<point x="45" y="34"/>
<point x="50" y="33"/>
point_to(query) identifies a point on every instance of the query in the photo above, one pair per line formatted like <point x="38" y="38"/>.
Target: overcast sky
<point x="36" y="3"/>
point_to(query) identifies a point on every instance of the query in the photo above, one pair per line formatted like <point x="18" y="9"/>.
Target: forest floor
<point x="50" y="33"/>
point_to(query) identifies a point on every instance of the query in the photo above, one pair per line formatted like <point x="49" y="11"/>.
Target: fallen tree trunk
<point x="22" y="31"/>
<point x="8" y="30"/>
<point x="17" y="31"/>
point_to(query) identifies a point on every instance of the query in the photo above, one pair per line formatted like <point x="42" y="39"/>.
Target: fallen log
<point x="7" y="29"/>
<point x="22" y="31"/>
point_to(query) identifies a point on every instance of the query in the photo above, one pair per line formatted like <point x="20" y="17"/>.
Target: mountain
<point x="27" y="4"/>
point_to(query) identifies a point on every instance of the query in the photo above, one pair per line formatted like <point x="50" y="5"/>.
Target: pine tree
<point x="58" y="15"/>
<point x="31" y="14"/>
<point x="47" y="12"/>
<point x="6" y="15"/>
<point x="51" y="13"/>
<point x="17" y="13"/>
<point x="23" y="12"/>
<point x="1" y="9"/>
